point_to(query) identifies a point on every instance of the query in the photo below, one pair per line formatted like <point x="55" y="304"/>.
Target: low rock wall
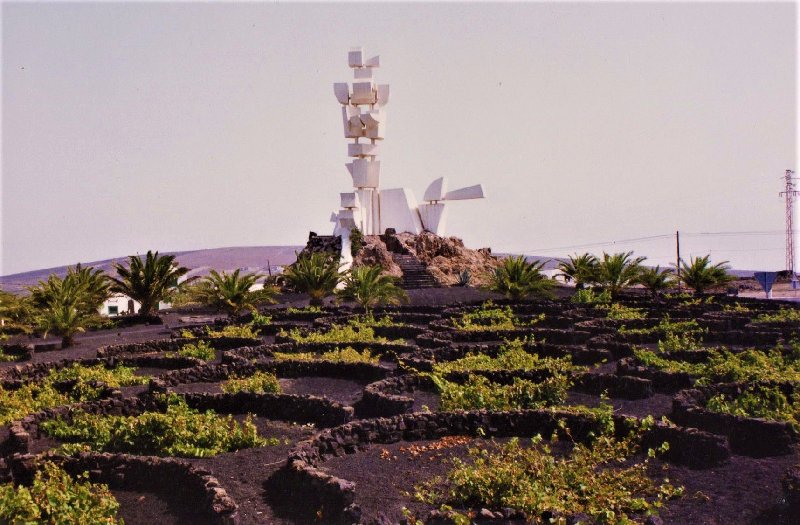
<point x="748" y="436"/>
<point x="172" y="478"/>
<point x="335" y="496"/>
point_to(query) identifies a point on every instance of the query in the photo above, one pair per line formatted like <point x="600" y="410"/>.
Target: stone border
<point x="173" y="345"/>
<point x="168" y="477"/>
<point x="35" y="371"/>
<point x="748" y="436"/>
<point x="336" y="497"/>
<point x="283" y="407"/>
<point x="21" y="352"/>
<point x="212" y="373"/>
<point x="663" y="382"/>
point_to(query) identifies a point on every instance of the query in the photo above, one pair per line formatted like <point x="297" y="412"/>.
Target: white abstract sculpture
<point x="368" y="208"/>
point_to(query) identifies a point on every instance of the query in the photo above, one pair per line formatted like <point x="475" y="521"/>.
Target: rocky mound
<point x="446" y="257"/>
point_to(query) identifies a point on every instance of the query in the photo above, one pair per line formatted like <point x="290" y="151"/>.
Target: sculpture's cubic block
<point x="375" y="124"/>
<point x="355" y="58"/>
<point x="363" y="92"/>
<point x="399" y="211"/>
<point x="347" y="219"/>
<point x="436" y="191"/>
<point x="363" y="73"/>
<point x="351" y="114"/>
<point x="349" y="200"/>
<point x="461" y="194"/>
<point x="342" y="92"/>
<point x="433" y="216"/>
<point x="362" y="150"/>
<point x="366" y="174"/>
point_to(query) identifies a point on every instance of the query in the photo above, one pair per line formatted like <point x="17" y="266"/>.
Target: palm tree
<point x="582" y="269"/>
<point x="655" y="279"/>
<point x="369" y="287"/>
<point x="86" y="288"/>
<point x="16" y="313"/>
<point x="700" y="274"/>
<point x="64" y="318"/>
<point x="148" y="282"/>
<point x="516" y="278"/>
<point x="232" y="292"/>
<point x="617" y="271"/>
<point x="316" y="274"/>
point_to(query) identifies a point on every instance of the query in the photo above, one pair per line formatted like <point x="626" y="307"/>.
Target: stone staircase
<point x="415" y="274"/>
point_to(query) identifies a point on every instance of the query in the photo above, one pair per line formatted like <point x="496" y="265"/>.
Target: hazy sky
<point x="135" y="126"/>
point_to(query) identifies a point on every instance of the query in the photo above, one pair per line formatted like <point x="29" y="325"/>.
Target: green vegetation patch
<point x="259" y="383"/>
<point x="338" y="334"/>
<point x="56" y="498"/>
<point x="589" y="296"/>
<point x="784" y="315"/>
<point x="620" y="312"/>
<point x="667" y="326"/>
<point x="491" y="317"/>
<point x="345" y="355"/>
<point x="246" y="331"/>
<point x="180" y="431"/>
<point x="35" y="396"/>
<point x="201" y="350"/>
<point x="724" y="366"/>
<point x="600" y="480"/>
<point x="759" y="401"/>
<point x="478" y="392"/>
<point x="512" y="356"/>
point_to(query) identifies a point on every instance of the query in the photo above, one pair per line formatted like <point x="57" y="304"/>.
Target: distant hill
<point x="200" y="262"/>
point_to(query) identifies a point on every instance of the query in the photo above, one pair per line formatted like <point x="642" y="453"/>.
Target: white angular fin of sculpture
<point x="373" y="62"/>
<point x="399" y="211"/>
<point x="462" y="194"/>
<point x="436" y="190"/>
<point x="434" y="217"/>
<point x="382" y="94"/>
<point x="342" y="92"/>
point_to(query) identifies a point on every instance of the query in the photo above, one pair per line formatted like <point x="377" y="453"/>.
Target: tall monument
<point x="369" y="208"/>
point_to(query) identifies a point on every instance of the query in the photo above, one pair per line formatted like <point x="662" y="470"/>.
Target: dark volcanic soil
<point x="343" y="391"/>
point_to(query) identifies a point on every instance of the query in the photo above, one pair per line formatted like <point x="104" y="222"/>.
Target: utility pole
<point x="678" y="257"/>
<point x="790" y="193"/>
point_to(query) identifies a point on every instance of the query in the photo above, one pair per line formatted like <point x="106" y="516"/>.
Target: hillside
<point x="251" y="258"/>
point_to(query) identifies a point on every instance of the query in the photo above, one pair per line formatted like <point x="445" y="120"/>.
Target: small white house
<point x="120" y="304"/>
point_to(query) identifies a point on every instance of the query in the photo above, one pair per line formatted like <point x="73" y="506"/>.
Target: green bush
<point x="667" y="326"/>
<point x="621" y="312"/>
<point x="784" y="315"/>
<point x="512" y="356"/>
<point x="247" y="331"/>
<point x="307" y="309"/>
<point x="724" y="366"/>
<point x="589" y="296"/>
<point x="34" y="396"/>
<point x="201" y="350"/>
<point x="260" y="383"/>
<point x="337" y="334"/>
<point x="759" y="401"/>
<point x="180" y="431"/>
<point x="57" y="499"/>
<point x="346" y="355"/>
<point x="491" y="317"/>
<point x="601" y="480"/>
<point x="478" y="392"/>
